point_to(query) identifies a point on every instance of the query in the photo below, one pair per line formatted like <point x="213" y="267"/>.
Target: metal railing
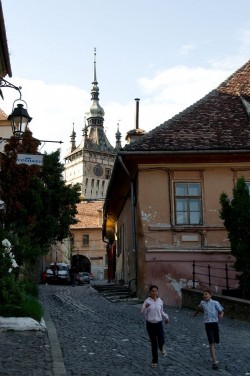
<point x="225" y="276"/>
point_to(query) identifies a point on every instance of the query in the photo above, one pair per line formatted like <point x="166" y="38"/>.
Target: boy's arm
<point x="198" y="310"/>
<point x="220" y="310"/>
<point x="220" y="314"/>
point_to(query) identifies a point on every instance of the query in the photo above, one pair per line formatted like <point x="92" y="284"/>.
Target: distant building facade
<point x="88" y="248"/>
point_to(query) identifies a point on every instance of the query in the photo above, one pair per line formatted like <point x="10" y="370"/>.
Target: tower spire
<point x="118" y="145"/>
<point x="95" y="79"/>
<point x="73" y="139"/>
<point x="96" y="113"/>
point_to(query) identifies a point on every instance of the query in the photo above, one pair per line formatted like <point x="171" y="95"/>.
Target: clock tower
<point x="91" y="163"/>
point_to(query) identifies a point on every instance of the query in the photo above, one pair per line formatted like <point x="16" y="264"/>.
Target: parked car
<point x="82" y="277"/>
<point x="58" y="272"/>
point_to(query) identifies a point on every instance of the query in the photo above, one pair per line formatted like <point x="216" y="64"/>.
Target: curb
<point x="21" y="323"/>
<point x="55" y="348"/>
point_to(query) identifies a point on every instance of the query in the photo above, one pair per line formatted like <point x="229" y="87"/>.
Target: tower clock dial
<point x="98" y="170"/>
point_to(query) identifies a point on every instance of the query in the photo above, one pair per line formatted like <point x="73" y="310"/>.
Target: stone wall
<point x="233" y="307"/>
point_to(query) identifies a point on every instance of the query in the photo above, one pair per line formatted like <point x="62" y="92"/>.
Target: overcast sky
<point x="167" y="53"/>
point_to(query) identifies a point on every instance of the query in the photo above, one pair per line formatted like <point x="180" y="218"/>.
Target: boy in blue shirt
<point x="213" y="311"/>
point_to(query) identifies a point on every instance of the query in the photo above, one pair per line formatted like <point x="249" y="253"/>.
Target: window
<point x="107" y="173"/>
<point x="85" y="239"/>
<point x="248" y="186"/>
<point x="188" y="204"/>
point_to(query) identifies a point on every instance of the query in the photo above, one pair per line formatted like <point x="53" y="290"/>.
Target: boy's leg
<point x="212" y="330"/>
<point x="216" y="332"/>
<point x="212" y="352"/>
<point x="154" y="343"/>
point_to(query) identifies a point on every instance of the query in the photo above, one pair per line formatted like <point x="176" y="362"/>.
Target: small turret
<point x="118" y="135"/>
<point x="73" y="140"/>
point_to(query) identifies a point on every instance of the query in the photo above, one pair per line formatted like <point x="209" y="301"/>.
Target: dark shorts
<point x="212" y="330"/>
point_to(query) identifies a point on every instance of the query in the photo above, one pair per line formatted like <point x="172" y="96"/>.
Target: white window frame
<point x="188" y="203"/>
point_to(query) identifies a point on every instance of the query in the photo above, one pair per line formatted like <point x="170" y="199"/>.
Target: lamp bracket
<point x="4" y="83"/>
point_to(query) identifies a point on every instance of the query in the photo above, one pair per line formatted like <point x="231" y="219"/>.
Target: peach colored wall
<point x="166" y="251"/>
<point x="96" y="247"/>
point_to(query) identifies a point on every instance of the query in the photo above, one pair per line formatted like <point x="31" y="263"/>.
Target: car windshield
<point x="60" y="267"/>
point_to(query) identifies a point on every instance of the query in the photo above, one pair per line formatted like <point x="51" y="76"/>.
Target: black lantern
<point x="19" y="118"/>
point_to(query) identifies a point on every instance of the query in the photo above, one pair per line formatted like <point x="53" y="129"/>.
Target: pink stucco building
<point x="162" y="206"/>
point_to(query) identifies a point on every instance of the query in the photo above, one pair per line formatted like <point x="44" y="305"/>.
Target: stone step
<point x="114" y="293"/>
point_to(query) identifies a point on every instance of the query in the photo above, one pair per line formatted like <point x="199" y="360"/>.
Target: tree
<point x="40" y="207"/>
<point x="236" y="216"/>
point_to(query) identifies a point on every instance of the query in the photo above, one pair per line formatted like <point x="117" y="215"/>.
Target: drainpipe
<point x="133" y="229"/>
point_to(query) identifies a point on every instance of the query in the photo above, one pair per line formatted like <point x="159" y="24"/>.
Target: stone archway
<point x="82" y="263"/>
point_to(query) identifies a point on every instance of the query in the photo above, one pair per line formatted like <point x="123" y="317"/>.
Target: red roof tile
<point x="89" y="215"/>
<point x="219" y="121"/>
<point x="3" y="115"/>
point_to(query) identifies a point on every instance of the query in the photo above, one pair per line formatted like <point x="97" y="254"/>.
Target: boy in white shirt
<point x="213" y="311"/>
<point x="152" y="309"/>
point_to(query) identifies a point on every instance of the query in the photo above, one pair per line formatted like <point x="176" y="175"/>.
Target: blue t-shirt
<point x="211" y="308"/>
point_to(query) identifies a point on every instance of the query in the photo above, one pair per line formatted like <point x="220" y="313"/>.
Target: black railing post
<point x="209" y="275"/>
<point x="193" y="274"/>
<point x="227" y="285"/>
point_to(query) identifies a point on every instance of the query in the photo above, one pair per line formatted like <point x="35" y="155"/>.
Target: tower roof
<point x="94" y="137"/>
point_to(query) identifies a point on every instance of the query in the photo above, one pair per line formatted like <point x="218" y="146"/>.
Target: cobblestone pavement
<point x="25" y="353"/>
<point x="100" y="338"/>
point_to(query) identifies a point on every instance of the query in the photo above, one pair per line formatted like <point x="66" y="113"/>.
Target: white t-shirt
<point x="154" y="312"/>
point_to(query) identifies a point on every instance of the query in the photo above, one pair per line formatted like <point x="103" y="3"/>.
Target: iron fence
<point x="208" y="271"/>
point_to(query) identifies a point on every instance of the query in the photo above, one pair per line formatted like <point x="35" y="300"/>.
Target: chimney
<point x="137" y="100"/>
<point x="134" y="134"/>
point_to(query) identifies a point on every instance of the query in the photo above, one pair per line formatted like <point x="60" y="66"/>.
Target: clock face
<point x="98" y="170"/>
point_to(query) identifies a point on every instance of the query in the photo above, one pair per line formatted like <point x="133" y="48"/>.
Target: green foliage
<point x="28" y="307"/>
<point x="11" y="292"/>
<point x="30" y="288"/>
<point x="236" y="217"/>
<point x="31" y="307"/>
<point x="19" y="298"/>
<point x="40" y="207"/>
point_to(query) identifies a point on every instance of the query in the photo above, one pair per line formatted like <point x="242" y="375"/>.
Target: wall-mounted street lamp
<point x="19" y="118"/>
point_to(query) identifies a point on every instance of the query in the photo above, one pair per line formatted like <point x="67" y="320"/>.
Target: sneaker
<point x="163" y="351"/>
<point x="154" y="365"/>
<point x="215" y="365"/>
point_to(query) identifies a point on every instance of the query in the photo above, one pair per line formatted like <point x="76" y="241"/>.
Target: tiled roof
<point x="3" y="115"/>
<point x="89" y="215"/>
<point x="219" y="121"/>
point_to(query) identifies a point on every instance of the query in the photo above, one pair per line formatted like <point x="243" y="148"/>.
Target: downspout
<point x="133" y="221"/>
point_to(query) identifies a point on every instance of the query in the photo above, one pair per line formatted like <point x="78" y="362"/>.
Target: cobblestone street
<point x="100" y="338"/>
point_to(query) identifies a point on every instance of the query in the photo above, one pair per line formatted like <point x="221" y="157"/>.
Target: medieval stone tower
<point x="91" y="163"/>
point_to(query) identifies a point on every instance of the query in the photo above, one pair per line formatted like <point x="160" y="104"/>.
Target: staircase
<point x="116" y="293"/>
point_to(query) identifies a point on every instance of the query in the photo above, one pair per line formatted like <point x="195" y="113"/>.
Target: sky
<point x="167" y="53"/>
